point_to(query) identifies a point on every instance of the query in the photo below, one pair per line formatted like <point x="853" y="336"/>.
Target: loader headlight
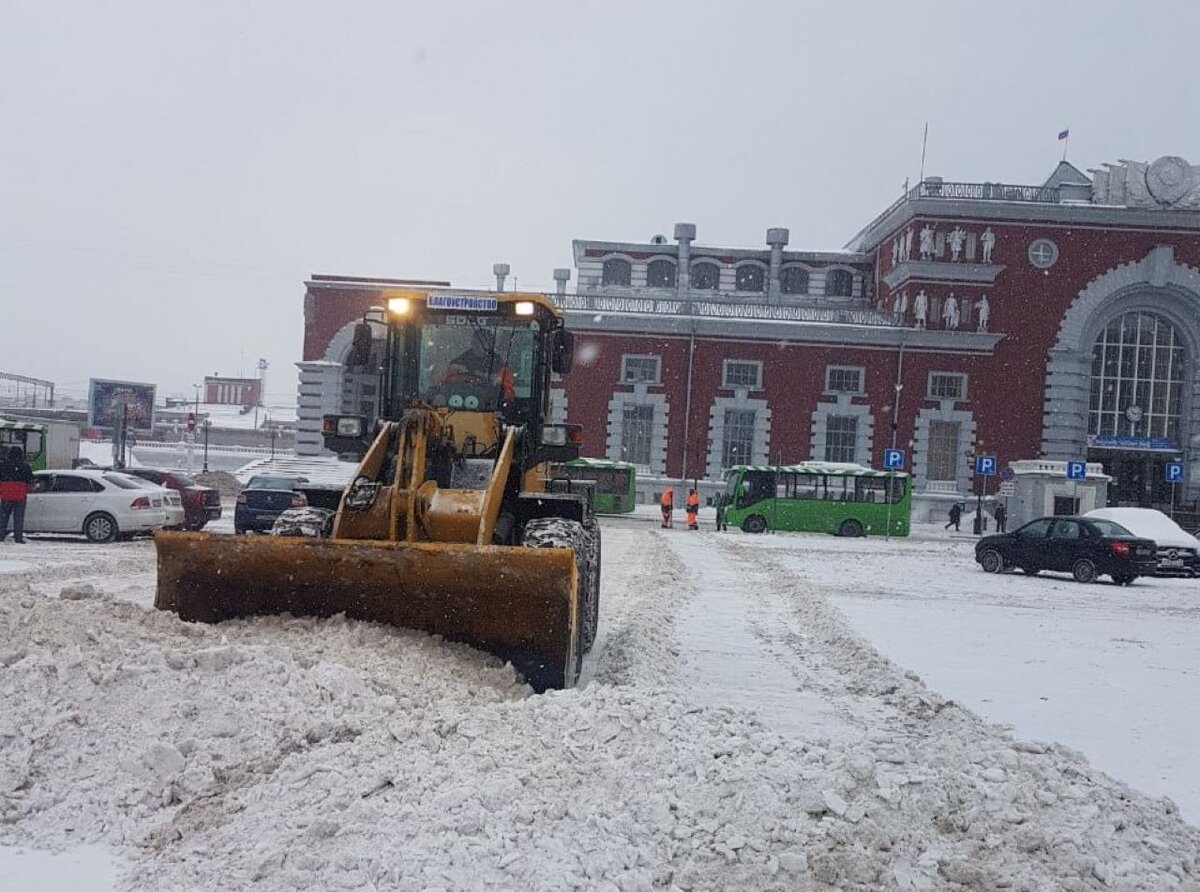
<point x="349" y="427"/>
<point x="523" y="308"/>
<point x="398" y="306"/>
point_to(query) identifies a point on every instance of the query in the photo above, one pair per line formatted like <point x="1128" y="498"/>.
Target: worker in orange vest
<point x="668" y="505"/>
<point x="693" y="509"/>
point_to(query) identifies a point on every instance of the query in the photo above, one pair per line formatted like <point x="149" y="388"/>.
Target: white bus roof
<point x="599" y="463"/>
<point x="829" y="468"/>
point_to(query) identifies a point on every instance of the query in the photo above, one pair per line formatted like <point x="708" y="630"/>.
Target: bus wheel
<point x="851" y="528"/>
<point x="755" y="523"/>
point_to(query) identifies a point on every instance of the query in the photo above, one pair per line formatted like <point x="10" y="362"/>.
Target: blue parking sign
<point x="1174" y="472"/>
<point x="985" y="465"/>
<point x="1076" y="470"/>
<point x="893" y="459"/>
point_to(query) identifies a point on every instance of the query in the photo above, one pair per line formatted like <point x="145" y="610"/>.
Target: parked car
<point x="171" y="503"/>
<point x="1085" y="547"/>
<point x="101" y="505"/>
<point x="200" y="503"/>
<point x="265" y="497"/>
<point x="1178" y="551"/>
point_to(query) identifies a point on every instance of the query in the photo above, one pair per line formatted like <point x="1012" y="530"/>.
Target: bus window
<point x="871" y="489"/>
<point x="33" y="444"/>
<point x="810" y="486"/>
<point x="835" y="489"/>
<point x="756" y="486"/>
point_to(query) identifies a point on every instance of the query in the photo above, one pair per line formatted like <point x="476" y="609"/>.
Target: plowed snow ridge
<point x="286" y="753"/>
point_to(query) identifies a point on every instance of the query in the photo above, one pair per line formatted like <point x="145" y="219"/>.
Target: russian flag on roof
<point x="1063" y="134"/>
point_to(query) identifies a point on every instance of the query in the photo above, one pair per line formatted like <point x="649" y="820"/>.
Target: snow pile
<point x="285" y="753"/>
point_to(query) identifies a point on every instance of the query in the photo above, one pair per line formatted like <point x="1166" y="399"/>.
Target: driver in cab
<point x="477" y="366"/>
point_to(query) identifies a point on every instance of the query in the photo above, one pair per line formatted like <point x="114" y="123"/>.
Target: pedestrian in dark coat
<point x="1001" y="517"/>
<point x="16" y="477"/>
<point x="955" y="516"/>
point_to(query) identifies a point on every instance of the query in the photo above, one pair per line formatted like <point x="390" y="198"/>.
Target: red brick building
<point x="1058" y="321"/>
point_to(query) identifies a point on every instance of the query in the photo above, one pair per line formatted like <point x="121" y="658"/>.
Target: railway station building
<point x="1059" y="321"/>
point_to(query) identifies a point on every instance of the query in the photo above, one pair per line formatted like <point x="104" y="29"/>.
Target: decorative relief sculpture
<point x="983" y="309"/>
<point x="987" y="241"/>
<point x="957" y="238"/>
<point x="920" y="307"/>
<point x="906" y="245"/>
<point x="899" y="307"/>
<point x="950" y="312"/>
<point x="1167" y="182"/>
<point x="896" y="250"/>
<point x="928" y="239"/>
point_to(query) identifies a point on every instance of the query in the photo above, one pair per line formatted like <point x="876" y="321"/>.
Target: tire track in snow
<point x="642" y="586"/>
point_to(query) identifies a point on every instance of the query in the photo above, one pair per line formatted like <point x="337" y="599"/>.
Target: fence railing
<point x="710" y="309"/>
<point x="985" y="192"/>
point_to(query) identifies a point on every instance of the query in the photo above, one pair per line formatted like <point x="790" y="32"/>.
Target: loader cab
<point x="483" y="360"/>
<point x="476" y="353"/>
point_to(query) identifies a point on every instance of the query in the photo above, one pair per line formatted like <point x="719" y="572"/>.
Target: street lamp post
<point x="207" y="425"/>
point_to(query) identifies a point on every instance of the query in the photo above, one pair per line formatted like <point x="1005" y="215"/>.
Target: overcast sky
<point x="170" y="173"/>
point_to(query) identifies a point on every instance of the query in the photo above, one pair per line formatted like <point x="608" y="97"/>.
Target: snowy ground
<point x="733" y="730"/>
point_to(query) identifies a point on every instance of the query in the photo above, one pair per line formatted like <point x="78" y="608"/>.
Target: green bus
<point x="616" y="482"/>
<point x="30" y="436"/>
<point x="819" y="497"/>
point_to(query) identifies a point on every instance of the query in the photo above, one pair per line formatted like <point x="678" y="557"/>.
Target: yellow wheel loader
<point x="450" y="524"/>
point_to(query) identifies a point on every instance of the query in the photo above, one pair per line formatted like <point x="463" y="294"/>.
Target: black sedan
<point x="264" y="499"/>
<point x="1084" y="547"/>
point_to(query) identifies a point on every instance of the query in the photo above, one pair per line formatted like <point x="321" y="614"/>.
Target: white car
<point x="101" y="505"/>
<point x="172" y="504"/>
<point x="1178" y="551"/>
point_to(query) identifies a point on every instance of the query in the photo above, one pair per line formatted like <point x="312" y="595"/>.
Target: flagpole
<point x="1066" y="142"/>
<point x="924" y="143"/>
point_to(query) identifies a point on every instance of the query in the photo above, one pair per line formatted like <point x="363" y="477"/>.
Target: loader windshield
<point x="476" y="363"/>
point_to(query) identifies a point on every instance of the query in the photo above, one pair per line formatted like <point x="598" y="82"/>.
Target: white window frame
<point x="854" y="437"/>
<point x="725" y="364"/>
<point x="625" y="379"/>
<point x="858" y="369"/>
<point x="649" y="432"/>
<point x="962" y="392"/>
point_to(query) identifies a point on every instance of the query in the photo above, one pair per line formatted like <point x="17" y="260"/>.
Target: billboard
<point x="109" y="400"/>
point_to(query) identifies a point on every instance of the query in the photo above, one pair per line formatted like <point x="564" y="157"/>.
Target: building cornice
<point x="1017" y="212"/>
<point x="938" y="271"/>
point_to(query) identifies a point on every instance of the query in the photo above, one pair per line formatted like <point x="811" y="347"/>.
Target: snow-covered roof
<point x="320" y="470"/>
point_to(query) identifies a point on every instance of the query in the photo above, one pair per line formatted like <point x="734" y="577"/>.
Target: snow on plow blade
<point x="521" y="604"/>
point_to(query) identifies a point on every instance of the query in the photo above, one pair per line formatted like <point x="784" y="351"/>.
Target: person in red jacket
<point x="693" y="509"/>
<point x="16" y="478"/>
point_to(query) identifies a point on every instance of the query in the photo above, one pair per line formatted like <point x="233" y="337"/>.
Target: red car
<point x="200" y="503"/>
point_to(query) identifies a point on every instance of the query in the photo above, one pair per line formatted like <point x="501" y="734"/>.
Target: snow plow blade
<point x="520" y="604"/>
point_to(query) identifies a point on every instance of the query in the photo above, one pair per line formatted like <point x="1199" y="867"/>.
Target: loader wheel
<point x="554" y="532"/>
<point x="591" y="601"/>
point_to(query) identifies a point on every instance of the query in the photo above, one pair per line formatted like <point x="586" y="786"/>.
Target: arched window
<point x="1137" y="378"/>
<point x="793" y="280"/>
<point x="749" y="277"/>
<point x="616" y="271"/>
<point x="660" y="274"/>
<point x="706" y="276"/>
<point x="839" y="283"/>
